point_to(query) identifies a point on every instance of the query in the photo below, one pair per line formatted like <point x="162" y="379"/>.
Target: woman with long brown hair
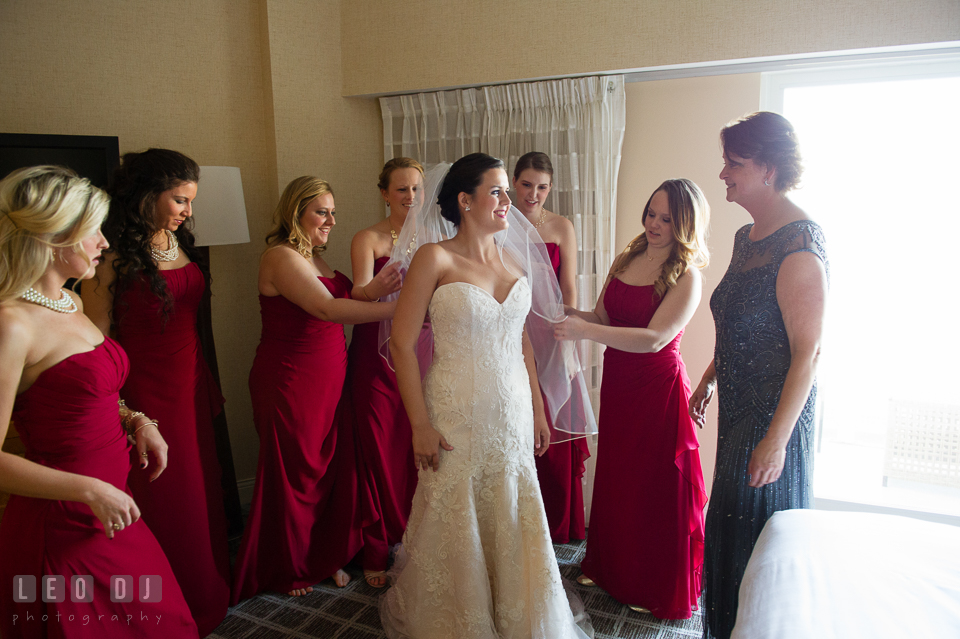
<point x="645" y="543"/>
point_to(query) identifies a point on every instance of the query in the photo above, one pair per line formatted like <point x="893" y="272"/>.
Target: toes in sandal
<point x="375" y="578"/>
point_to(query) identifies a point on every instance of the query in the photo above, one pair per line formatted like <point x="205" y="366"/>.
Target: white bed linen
<point x="822" y="574"/>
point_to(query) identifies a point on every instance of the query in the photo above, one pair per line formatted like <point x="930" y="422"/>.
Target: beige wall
<point x="412" y="45"/>
<point x="672" y="130"/>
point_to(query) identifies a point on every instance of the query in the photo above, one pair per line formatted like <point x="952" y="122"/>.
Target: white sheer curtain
<point x="578" y="122"/>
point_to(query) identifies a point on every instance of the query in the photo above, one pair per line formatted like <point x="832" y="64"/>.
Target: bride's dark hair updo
<point x="463" y="177"/>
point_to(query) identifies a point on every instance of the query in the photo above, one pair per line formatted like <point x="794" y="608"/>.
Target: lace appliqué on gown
<point x="477" y="560"/>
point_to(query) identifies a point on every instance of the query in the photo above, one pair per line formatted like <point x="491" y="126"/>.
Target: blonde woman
<point x="71" y="512"/>
<point x="304" y="519"/>
<point x="645" y="545"/>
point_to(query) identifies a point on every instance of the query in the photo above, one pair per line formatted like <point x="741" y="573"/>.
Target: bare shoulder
<point x="560" y="223"/>
<point x="280" y="254"/>
<point x="691" y="275"/>
<point x="16" y="331"/>
<point x="368" y="236"/>
<point x="433" y="254"/>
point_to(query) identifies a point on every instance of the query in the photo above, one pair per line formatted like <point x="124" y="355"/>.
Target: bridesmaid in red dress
<point x="146" y="294"/>
<point x="382" y="428"/>
<point x="70" y="513"/>
<point x="561" y="468"/>
<point x="304" y="523"/>
<point x="645" y="546"/>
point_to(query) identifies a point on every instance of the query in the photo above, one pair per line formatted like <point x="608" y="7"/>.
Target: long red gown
<point x="68" y="420"/>
<point x="561" y="469"/>
<point x="170" y="382"/>
<point x="384" y="441"/>
<point x="647" y="521"/>
<point x="304" y="520"/>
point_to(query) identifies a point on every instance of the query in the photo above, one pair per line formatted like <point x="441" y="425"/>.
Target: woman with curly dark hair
<point x="146" y="294"/>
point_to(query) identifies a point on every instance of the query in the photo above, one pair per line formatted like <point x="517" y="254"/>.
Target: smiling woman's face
<point x="490" y="203"/>
<point x="318" y="218"/>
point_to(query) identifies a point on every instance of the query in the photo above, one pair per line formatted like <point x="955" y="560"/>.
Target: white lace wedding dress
<point x="477" y="560"/>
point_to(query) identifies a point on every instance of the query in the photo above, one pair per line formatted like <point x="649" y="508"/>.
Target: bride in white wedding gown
<point x="476" y="560"/>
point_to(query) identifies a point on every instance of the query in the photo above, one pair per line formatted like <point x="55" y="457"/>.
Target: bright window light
<point x="882" y="177"/>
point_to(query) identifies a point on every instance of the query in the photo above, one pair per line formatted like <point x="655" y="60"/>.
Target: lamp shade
<point x="219" y="213"/>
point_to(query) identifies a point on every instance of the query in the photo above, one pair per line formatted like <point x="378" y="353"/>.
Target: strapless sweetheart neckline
<point x="483" y="290"/>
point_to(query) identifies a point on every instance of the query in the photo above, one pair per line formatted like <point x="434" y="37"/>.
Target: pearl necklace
<point x="63" y="305"/>
<point x="171" y="253"/>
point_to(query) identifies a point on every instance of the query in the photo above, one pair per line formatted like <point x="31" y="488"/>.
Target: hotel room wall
<point x="500" y="41"/>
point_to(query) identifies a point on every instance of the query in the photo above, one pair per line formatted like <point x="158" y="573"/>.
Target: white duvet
<point x="822" y="574"/>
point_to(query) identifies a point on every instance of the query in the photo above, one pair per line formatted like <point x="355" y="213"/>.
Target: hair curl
<point x="767" y="138"/>
<point x="383" y="182"/>
<point x="534" y="160"/>
<point x="689" y="218"/>
<point x="131" y="224"/>
<point x="286" y="217"/>
<point x="43" y="208"/>
<point x="464" y="176"/>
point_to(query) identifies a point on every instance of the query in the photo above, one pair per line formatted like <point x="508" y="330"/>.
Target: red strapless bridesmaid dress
<point x="304" y="521"/>
<point x="646" y="525"/>
<point x="68" y="420"/>
<point x="170" y="382"/>
<point x="384" y="441"/>
<point x="561" y="469"/>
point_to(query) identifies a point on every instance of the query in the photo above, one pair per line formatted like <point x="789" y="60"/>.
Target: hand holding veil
<point x="523" y="254"/>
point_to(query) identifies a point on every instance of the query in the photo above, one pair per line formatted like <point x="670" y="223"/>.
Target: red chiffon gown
<point x="647" y="521"/>
<point x="304" y="521"/>
<point x="68" y="420"/>
<point x="561" y="469"/>
<point x="170" y="382"/>
<point x="384" y="440"/>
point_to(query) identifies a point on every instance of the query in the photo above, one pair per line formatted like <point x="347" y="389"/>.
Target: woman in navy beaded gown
<point x="768" y="311"/>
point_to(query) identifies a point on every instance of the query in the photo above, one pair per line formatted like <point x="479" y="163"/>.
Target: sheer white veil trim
<point x="523" y="254"/>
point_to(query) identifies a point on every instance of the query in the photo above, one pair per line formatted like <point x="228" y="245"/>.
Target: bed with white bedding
<point x="823" y="574"/>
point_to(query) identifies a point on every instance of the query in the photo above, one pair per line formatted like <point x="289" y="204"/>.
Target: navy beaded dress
<point x="752" y="357"/>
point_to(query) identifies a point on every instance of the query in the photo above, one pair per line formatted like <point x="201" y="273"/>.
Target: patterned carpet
<point x="351" y="613"/>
